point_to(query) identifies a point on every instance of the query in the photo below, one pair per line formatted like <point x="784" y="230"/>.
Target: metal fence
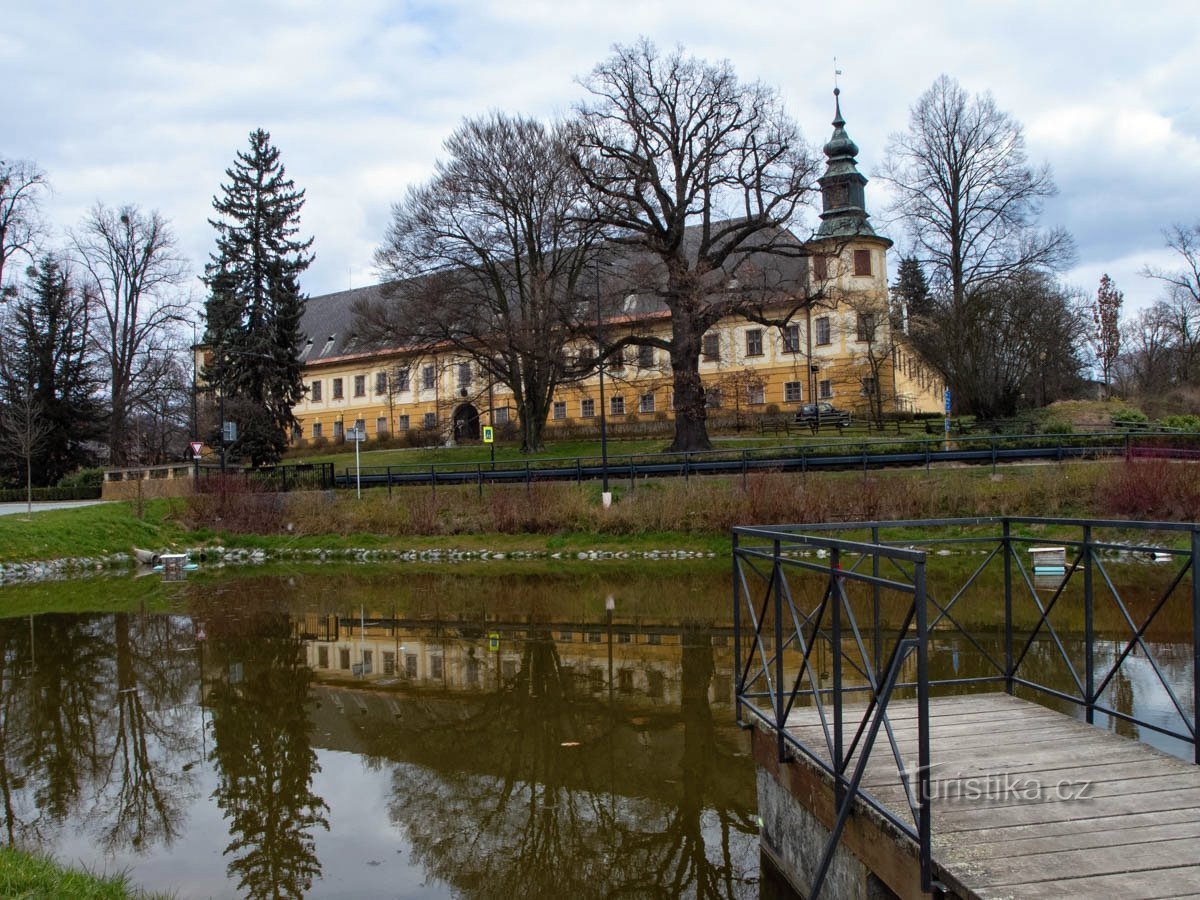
<point x="843" y="621"/>
<point x="285" y="477"/>
<point x="870" y="454"/>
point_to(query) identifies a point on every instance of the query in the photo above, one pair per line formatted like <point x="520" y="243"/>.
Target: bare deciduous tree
<point x="490" y="254"/>
<point x="135" y="270"/>
<point x="697" y="171"/>
<point x="967" y="194"/>
<point x="21" y="184"/>
<point x="1183" y="284"/>
<point x="23" y="432"/>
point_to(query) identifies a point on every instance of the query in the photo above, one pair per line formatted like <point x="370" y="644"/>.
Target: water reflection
<point x="93" y="733"/>
<point x="257" y="692"/>
<point x="356" y="734"/>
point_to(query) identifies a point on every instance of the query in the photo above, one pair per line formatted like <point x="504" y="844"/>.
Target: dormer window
<point x="329" y="344"/>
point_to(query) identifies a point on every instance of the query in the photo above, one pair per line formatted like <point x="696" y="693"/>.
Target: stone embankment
<point x="78" y="567"/>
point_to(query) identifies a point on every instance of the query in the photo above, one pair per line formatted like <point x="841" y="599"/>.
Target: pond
<point x="382" y="731"/>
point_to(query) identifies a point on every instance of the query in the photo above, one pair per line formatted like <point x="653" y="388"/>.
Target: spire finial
<point x="838" y="121"/>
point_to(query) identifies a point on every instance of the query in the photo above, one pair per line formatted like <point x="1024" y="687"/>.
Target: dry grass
<point x="1150" y="489"/>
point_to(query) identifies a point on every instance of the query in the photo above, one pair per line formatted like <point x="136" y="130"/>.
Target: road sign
<point x="356" y="434"/>
<point x="197" y="448"/>
<point x="489" y="434"/>
<point x="494" y="640"/>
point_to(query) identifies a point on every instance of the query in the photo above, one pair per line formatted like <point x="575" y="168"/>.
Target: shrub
<point x="1057" y="426"/>
<point x="82" y="478"/>
<point x="1129" y="416"/>
<point x="1188" y="423"/>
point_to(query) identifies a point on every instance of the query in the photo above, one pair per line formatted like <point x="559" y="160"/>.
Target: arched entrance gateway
<point x="466" y="423"/>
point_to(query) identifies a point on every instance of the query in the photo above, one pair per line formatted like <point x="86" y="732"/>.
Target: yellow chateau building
<point x="842" y="348"/>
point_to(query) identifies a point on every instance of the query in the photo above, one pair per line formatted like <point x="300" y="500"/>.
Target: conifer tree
<point x="47" y="362"/>
<point x="254" y="306"/>
<point x="911" y="290"/>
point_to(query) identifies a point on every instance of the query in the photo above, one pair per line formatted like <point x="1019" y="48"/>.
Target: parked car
<point x="824" y="413"/>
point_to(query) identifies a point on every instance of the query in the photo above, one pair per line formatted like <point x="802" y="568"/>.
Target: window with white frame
<point x="464" y="376"/>
<point x="502" y="415"/>
<point x="712" y="397"/>
<point x="792" y="392"/>
<point x="755" y="394"/>
<point x="400" y="377"/>
<point x="587" y="408"/>
<point x="616" y="405"/>
<point x="646" y="357"/>
<point x="381" y="425"/>
<point x="866" y="326"/>
<point x="430" y="421"/>
<point x="381" y="382"/>
<point x="646" y="403"/>
<point x="402" y="423"/>
<point x="711" y="347"/>
<point x="791" y="339"/>
<point x="314" y="392"/>
<point x="754" y="342"/>
<point x="428" y="377"/>
<point x="870" y="386"/>
<point x="360" y="425"/>
<point x="338" y="430"/>
<point x="316" y="429"/>
<point x="337" y="389"/>
<point x="360" y="385"/>
<point x="560" y="409"/>
<point x="826" y="389"/>
<point x="824" y="335"/>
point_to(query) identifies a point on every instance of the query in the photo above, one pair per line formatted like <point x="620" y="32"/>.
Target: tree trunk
<point x="691" y="415"/>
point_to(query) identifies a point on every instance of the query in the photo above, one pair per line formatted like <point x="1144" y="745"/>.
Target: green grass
<point x="509" y="452"/>
<point x="88" y="531"/>
<point x="27" y="876"/>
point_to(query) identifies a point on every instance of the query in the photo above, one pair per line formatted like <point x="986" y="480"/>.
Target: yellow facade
<point x="837" y="349"/>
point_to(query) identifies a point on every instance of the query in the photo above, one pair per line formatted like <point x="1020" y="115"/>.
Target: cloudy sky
<point x="147" y="102"/>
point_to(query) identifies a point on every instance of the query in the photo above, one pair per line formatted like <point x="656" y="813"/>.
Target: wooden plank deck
<point x="1002" y="827"/>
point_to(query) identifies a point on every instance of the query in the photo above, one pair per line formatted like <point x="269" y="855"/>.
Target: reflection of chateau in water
<point x="455" y="656"/>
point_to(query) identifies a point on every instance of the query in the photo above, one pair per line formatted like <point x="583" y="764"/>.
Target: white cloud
<point x="148" y="102"/>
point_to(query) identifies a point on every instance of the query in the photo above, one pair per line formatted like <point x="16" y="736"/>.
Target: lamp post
<point x="606" y="495"/>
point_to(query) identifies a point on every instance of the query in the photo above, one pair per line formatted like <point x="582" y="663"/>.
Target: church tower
<point x="843" y="198"/>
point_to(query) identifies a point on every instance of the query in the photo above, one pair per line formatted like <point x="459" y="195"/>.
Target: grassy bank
<point x="27" y="875"/>
<point x="666" y="514"/>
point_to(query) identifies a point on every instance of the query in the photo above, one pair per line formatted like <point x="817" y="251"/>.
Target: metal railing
<point x="836" y="619"/>
<point x="989" y="449"/>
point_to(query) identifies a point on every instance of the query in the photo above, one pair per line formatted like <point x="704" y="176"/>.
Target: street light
<point x="606" y="495"/>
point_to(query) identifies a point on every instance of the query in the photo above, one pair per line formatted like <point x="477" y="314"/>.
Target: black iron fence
<point x="285" y="477"/>
<point x="989" y="449"/>
<point x="842" y="620"/>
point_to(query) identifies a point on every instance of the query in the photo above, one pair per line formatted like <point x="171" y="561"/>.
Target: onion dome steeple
<point x="843" y="200"/>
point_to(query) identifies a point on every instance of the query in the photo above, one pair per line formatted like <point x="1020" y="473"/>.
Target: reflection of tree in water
<point x="261" y="724"/>
<point x="645" y="805"/>
<point x="90" y="727"/>
<point x="145" y="784"/>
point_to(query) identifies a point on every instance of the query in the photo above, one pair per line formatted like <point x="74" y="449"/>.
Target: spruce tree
<point x="254" y="306"/>
<point x="911" y="290"/>
<point x="47" y="366"/>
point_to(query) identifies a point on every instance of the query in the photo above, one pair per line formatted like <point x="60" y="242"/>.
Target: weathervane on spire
<point x="836" y="73"/>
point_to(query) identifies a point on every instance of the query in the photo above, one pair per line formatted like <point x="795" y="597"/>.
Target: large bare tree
<point x="135" y="272"/>
<point x="487" y="259"/>
<point x="698" y="172"/>
<point x="970" y="199"/>
<point x="1182" y="284"/>
<point x="21" y="185"/>
<point x="967" y="194"/>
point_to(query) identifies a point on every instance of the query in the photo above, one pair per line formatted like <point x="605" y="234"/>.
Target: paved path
<point x="10" y="509"/>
